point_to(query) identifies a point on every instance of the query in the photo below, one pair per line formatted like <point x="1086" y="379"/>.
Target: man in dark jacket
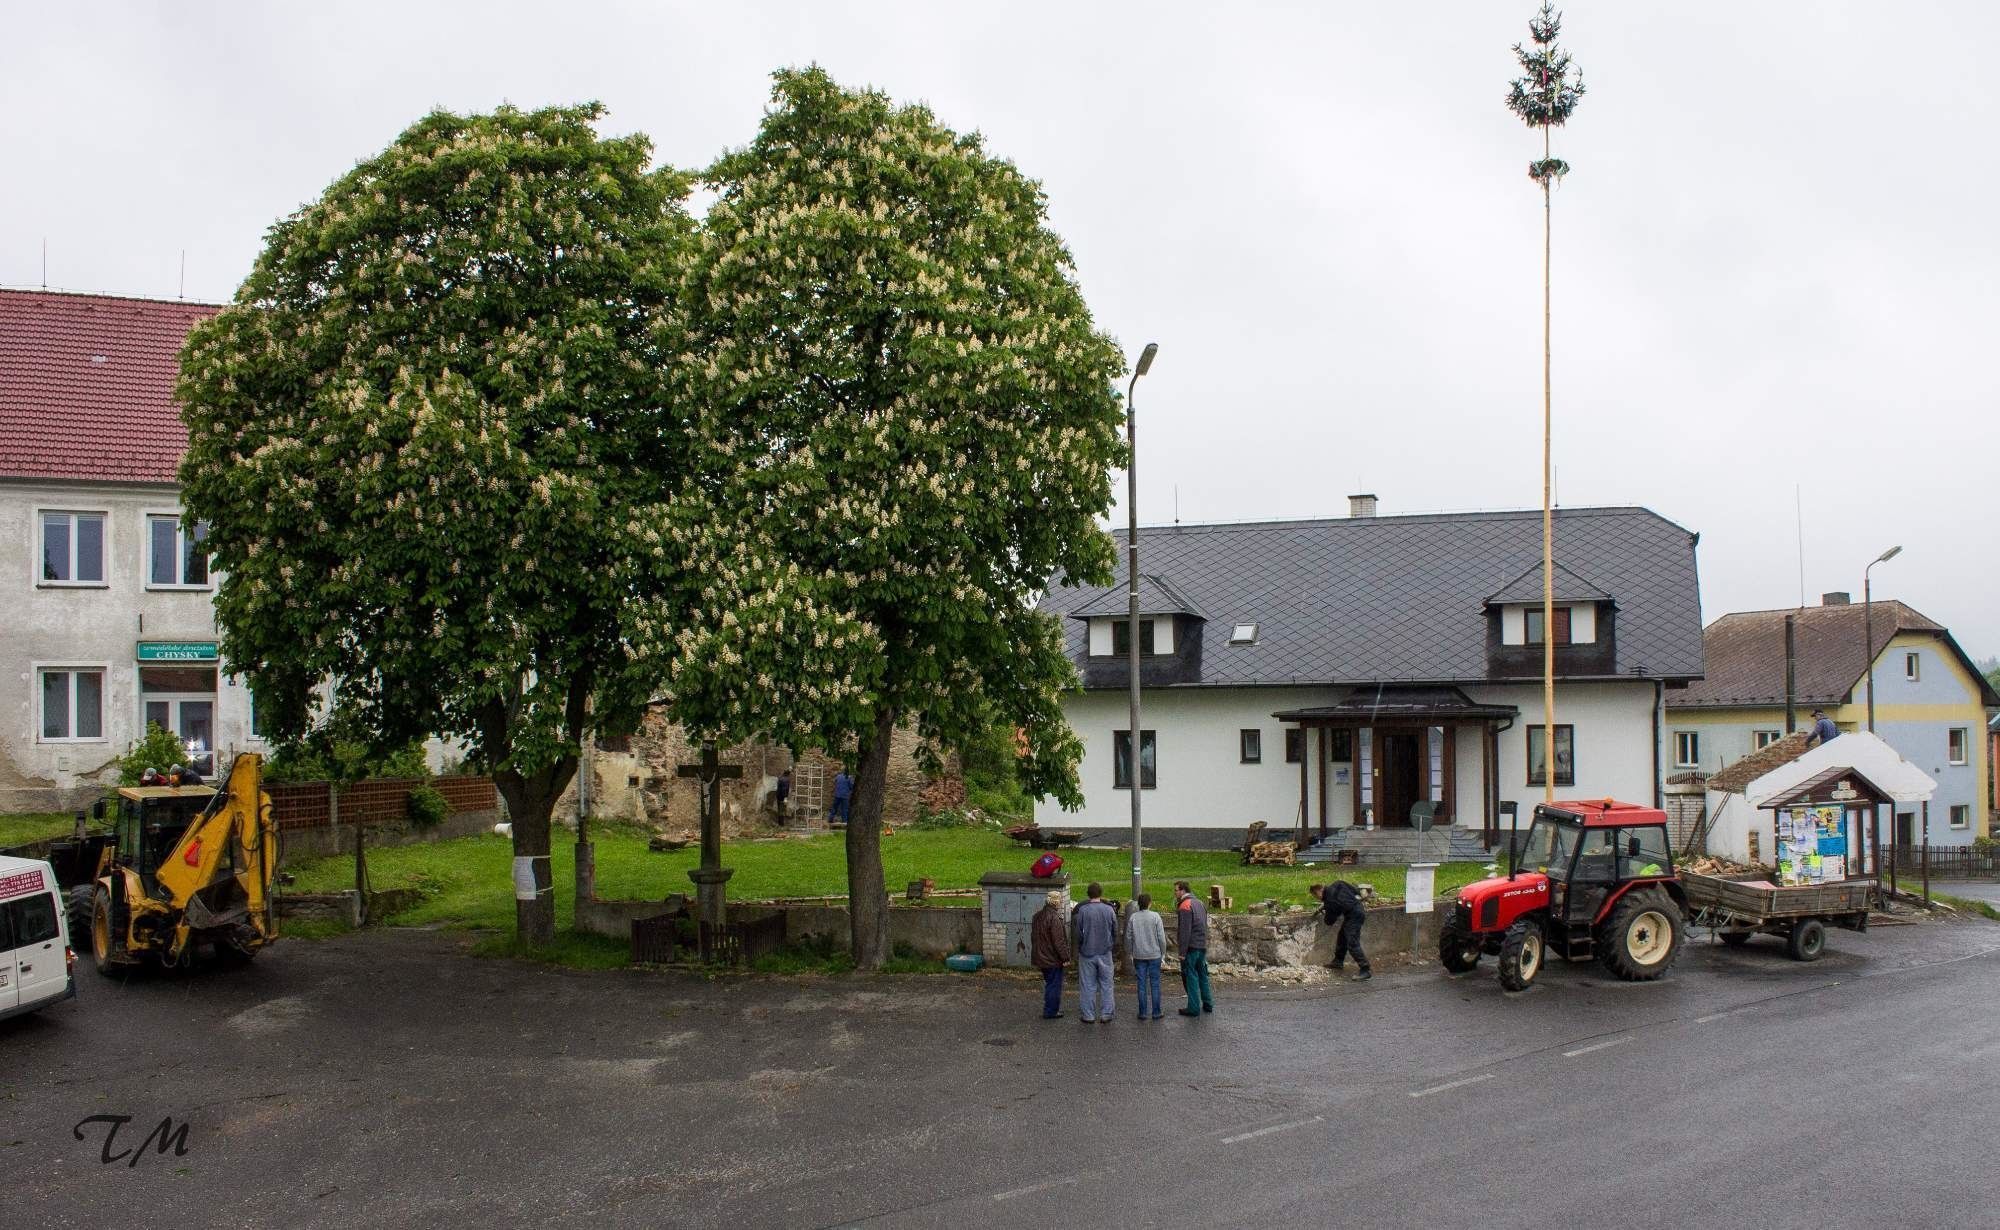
<point x="1048" y="951"/>
<point x="1345" y="914"/>
<point x="1191" y="936"/>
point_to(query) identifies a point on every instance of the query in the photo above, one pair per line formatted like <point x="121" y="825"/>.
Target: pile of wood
<point x="1216" y="901"/>
<point x="1708" y="865"/>
<point x="1273" y="854"/>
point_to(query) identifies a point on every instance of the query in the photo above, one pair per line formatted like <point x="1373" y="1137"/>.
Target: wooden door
<point x="1401" y="756"/>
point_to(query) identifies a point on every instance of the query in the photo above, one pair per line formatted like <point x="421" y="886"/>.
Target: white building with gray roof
<point x="1325" y="674"/>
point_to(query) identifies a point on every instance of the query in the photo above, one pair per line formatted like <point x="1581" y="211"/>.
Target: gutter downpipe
<point x="1659" y="705"/>
<point x="1513" y="855"/>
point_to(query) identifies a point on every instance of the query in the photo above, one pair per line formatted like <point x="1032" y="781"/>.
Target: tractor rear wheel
<point x="1641" y="938"/>
<point x="1458" y="951"/>
<point x="104" y="945"/>
<point x="1807" y="941"/>
<point x="1521" y="954"/>
<point x="78" y="908"/>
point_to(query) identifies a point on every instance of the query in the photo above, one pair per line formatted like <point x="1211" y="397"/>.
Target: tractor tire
<point x="105" y="951"/>
<point x="1522" y="952"/>
<point x="1458" y="951"/>
<point x="1807" y="940"/>
<point x="1735" y="939"/>
<point x="77" y="907"/>
<point x="1641" y="939"/>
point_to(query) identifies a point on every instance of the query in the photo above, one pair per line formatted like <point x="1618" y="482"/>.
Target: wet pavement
<point x="386" y="1079"/>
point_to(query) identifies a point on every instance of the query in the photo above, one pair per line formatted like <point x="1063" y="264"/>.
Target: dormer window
<point x="1243" y="634"/>
<point x="1531" y="625"/>
<point x="1121" y="637"/>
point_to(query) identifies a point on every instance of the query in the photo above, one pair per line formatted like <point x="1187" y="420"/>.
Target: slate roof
<point x="1403" y="599"/>
<point x="1746" y="654"/>
<point x="1527" y="587"/>
<point x="87" y="385"/>
<point x="1156" y="597"/>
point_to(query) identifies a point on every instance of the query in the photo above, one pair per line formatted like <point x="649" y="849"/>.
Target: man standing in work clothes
<point x="1344" y="913"/>
<point x="1096" y="936"/>
<point x="1048" y="951"/>
<point x="1191" y="934"/>
<point x="843" y="798"/>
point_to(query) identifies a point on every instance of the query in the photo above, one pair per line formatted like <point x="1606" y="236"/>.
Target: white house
<point x="1739" y="796"/>
<point x="108" y="620"/>
<point x="1320" y="674"/>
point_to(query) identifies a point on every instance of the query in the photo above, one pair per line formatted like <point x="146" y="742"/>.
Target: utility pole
<point x="1137" y="779"/>
<point x="1544" y="97"/>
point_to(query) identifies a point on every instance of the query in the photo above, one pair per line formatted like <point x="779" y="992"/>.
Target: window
<point x="1243" y="634"/>
<point x="29" y="920"/>
<point x="72" y="548"/>
<point x="181" y="699"/>
<point x="1121" y="637"/>
<point x="1531" y="625"/>
<point x="1912" y="666"/>
<point x="1961" y="815"/>
<point x="1250" y="746"/>
<point x="1295" y="746"/>
<point x="1121" y="760"/>
<point x="1761" y="739"/>
<point x="1956" y="744"/>
<point x="1343" y="746"/>
<point x="1565" y="755"/>
<point x="1651" y="858"/>
<point x="175" y="558"/>
<point x="1687" y="749"/>
<point x="72" y="705"/>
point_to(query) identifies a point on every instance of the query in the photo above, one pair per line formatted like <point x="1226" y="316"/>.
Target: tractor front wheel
<point x="104" y="941"/>
<point x="1641" y="938"/>
<point x="79" y="909"/>
<point x="1458" y="951"/>
<point x="1521" y="955"/>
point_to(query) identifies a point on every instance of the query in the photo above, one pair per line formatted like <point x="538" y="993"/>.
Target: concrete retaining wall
<point x="934" y="931"/>
<point x="298" y="845"/>
<point x="1299" y="938"/>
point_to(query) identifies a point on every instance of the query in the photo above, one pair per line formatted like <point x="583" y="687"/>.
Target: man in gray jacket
<point x="1146" y="940"/>
<point x="1096" y="936"/>
<point x="1191" y="933"/>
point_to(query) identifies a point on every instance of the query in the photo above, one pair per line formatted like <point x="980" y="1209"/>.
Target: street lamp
<point x="1868" y="626"/>
<point x="1138" y="778"/>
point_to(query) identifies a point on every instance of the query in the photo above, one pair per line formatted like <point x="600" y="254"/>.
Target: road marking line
<point x="1470" y="1080"/>
<point x="1266" y="1131"/>
<point x="1595" y="1046"/>
<point x="1039" y="1187"/>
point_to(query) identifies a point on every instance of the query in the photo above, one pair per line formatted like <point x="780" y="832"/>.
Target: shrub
<point x="426" y="807"/>
<point x="160" y="749"/>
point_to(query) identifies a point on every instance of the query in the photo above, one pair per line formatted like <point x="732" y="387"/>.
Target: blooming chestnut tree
<point x="909" y="420"/>
<point x="418" y="435"/>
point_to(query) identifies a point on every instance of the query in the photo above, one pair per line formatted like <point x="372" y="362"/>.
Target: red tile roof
<point x="87" y="383"/>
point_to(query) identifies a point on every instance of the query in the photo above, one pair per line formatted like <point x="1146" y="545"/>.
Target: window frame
<point x="1694" y="738"/>
<point x="1761" y="739"/>
<point x="103" y="672"/>
<point x="1531" y="617"/>
<point x="1149" y="637"/>
<point x="40" y="555"/>
<point x="180" y="585"/>
<point x="1957" y="810"/>
<point x="1243" y="633"/>
<point x="1962" y="736"/>
<point x="1147" y="738"/>
<point x="1913" y="670"/>
<point x="1295" y="744"/>
<point x="1249" y="745"/>
<point x="1563" y="730"/>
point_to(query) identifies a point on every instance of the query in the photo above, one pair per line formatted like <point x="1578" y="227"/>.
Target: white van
<point x="37" y="964"/>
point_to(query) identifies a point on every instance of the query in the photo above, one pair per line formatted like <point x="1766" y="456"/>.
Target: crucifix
<point x="711" y="877"/>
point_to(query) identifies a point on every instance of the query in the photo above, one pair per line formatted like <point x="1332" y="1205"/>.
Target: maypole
<point x="1544" y="96"/>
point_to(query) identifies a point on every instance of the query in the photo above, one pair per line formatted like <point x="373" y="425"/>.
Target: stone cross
<point x="711" y="877"/>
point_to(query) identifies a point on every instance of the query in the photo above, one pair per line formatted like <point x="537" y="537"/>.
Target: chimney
<point x="1361" y="505"/>
<point x="1837" y="597"/>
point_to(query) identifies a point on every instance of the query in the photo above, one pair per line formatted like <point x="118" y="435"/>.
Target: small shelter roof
<point x="1827" y="787"/>
<point x="1374" y="706"/>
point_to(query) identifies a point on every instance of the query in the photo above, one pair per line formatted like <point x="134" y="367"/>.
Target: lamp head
<point x="1890" y="554"/>
<point x="1146" y="358"/>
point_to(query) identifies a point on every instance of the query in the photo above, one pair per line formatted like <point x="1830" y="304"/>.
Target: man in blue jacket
<point x="1096" y="936"/>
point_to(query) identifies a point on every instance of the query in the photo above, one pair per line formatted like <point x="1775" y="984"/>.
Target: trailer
<point x="1734" y="908"/>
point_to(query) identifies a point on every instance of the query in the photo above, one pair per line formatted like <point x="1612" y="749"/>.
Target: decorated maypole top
<point x="1547" y="91"/>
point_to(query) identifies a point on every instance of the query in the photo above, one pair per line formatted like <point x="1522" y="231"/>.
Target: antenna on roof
<point x="1799" y="511"/>
<point x="184" y="273"/>
<point x="1177" y="503"/>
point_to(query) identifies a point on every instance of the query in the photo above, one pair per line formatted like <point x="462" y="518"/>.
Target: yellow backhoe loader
<point x="186" y="867"/>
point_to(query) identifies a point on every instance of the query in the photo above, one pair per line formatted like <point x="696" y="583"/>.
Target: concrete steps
<point x="1395" y="847"/>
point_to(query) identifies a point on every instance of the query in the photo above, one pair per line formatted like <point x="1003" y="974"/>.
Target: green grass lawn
<point x="23" y="827"/>
<point x="469" y="881"/>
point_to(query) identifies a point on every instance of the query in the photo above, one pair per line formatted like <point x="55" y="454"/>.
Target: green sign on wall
<point x="177" y="651"/>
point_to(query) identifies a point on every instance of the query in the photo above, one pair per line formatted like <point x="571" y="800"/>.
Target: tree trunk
<point x="531" y="799"/>
<point x="867" y="894"/>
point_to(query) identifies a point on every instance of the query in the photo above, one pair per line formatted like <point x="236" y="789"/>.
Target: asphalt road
<point x="383" y="1079"/>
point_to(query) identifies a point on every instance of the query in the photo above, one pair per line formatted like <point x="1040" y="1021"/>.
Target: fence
<point x="309" y="805"/>
<point x="1945" y="861"/>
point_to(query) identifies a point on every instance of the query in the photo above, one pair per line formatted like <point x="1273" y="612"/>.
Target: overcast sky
<point x="1776" y="261"/>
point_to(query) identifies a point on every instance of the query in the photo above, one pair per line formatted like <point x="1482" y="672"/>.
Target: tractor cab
<point x="150" y="821"/>
<point x="1591" y="879"/>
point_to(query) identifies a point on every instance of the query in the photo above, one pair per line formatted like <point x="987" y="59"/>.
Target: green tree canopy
<point x="417" y="436"/>
<point x="911" y="426"/>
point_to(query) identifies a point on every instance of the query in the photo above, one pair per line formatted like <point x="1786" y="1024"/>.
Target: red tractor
<point x="1593" y="879"/>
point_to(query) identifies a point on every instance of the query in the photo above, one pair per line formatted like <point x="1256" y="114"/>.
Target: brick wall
<point x="306" y="805"/>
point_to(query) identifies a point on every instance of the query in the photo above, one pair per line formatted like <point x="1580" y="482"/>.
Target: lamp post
<point x="1868" y="626"/>
<point x="1138" y="776"/>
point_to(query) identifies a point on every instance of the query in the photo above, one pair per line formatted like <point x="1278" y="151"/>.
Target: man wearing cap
<point x="1823" y="730"/>
<point x="1048" y="951"/>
